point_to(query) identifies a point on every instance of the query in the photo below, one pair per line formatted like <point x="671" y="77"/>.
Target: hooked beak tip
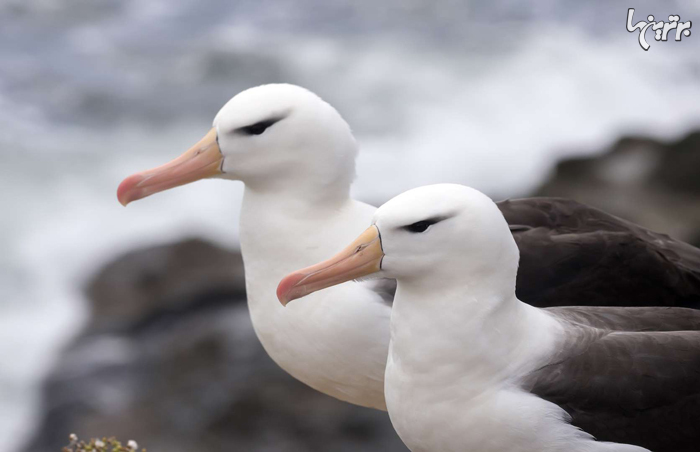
<point x="285" y="289"/>
<point x="127" y="189"/>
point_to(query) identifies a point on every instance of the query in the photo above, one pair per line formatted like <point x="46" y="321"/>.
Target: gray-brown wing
<point x="574" y="255"/>
<point x="639" y="388"/>
<point x="630" y="319"/>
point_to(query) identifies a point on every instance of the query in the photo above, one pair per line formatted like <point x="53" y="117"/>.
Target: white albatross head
<point x="437" y="235"/>
<point x="275" y="137"/>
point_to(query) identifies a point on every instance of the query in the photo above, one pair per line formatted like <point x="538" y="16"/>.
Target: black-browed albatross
<point x="472" y="368"/>
<point x="296" y="157"/>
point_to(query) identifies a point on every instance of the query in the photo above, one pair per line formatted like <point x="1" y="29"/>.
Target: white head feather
<point x="307" y="148"/>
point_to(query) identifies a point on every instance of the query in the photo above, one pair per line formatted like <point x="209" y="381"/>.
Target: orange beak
<point x="362" y="257"/>
<point x="201" y="161"/>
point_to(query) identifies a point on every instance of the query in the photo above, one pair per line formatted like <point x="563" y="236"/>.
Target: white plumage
<point x="296" y="211"/>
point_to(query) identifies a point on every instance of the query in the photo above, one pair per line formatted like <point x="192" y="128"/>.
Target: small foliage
<point x="99" y="445"/>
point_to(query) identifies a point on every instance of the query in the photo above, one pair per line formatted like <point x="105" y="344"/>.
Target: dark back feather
<point x="572" y="254"/>
<point x="629" y="375"/>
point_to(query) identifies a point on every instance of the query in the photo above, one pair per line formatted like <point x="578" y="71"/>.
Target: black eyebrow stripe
<point x="265" y="122"/>
<point x="433" y="220"/>
<point x="430" y="221"/>
<point x="439" y="218"/>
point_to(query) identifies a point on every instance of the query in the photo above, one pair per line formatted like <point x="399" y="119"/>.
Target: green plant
<point x="99" y="445"/>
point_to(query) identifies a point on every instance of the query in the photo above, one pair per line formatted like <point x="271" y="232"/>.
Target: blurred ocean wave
<point x="485" y="93"/>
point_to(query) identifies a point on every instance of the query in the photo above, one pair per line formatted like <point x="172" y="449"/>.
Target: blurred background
<point x="132" y="322"/>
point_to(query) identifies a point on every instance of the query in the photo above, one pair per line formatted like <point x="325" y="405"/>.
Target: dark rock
<point x="695" y="238"/>
<point x="163" y="280"/>
<point x="646" y="181"/>
<point x="171" y="360"/>
<point x="679" y="165"/>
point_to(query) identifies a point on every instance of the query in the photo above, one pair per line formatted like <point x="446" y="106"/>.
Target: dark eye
<point x="419" y="226"/>
<point x="258" y="128"/>
<point x="423" y="225"/>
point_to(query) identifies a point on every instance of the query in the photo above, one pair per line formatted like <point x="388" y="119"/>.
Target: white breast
<point x="336" y="340"/>
<point x="503" y="420"/>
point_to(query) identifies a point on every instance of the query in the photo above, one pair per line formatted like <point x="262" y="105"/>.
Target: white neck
<point x="281" y="231"/>
<point x="497" y="336"/>
<point x="335" y="340"/>
<point x="327" y="191"/>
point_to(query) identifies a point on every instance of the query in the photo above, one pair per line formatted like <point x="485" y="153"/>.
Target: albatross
<point x="472" y="368"/>
<point x="296" y="157"/>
